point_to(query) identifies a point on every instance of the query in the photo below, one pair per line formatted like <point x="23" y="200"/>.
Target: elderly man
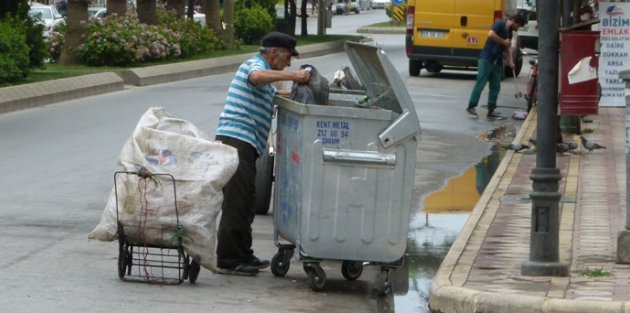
<point x="244" y="124"/>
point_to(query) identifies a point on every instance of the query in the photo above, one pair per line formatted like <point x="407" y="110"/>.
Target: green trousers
<point x="491" y="74"/>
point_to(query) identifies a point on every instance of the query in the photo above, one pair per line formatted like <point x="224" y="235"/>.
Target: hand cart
<point x="144" y="258"/>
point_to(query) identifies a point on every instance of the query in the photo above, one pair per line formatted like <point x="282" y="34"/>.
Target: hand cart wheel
<point x="193" y="271"/>
<point x="351" y="270"/>
<point x="316" y="277"/>
<point x="281" y="262"/>
<point x="122" y="260"/>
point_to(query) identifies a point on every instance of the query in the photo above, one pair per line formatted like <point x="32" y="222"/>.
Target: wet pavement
<point x="442" y="215"/>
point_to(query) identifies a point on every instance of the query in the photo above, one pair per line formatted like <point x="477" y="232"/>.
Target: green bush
<point x="17" y="12"/>
<point x="194" y="37"/>
<point x="267" y="5"/>
<point x="35" y="41"/>
<point x="124" y="40"/>
<point x="14" y="62"/>
<point x="55" y="43"/>
<point x="251" y="24"/>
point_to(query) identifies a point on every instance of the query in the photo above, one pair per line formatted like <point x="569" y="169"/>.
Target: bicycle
<point x="531" y="93"/>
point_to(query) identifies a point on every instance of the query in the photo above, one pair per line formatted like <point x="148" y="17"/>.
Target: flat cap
<point x="280" y="40"/>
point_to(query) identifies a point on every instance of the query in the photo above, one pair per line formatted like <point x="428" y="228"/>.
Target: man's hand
<point x="302" y="76"/>
<point x="507" y="58"/>
<point x="507" y="42"/>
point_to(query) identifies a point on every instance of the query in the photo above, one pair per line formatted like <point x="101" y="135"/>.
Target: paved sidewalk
<point x="481" y="273"/>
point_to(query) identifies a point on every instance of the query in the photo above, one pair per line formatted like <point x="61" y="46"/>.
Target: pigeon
<point x="590" y="145"/>
<point x="564" y="147"/>
<point x="516" y="147"/>
<point x="532" y="141"/>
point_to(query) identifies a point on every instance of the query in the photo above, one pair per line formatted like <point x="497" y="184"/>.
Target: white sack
<point x="201" y="168"/>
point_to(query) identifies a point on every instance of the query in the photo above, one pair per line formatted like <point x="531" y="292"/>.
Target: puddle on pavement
<point x="435" y="228"/>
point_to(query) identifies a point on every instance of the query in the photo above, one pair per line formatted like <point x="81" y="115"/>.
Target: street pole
<point x="567" y="8"/>
<point x="623" y="239"/>
<point x="545" y="218"/>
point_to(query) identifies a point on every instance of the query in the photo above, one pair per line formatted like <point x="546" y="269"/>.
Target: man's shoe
<point x="472" y="112"/>
<point x="258" y="263"/>
<point x="241" y="269"/>
<point x="492" y="115"/>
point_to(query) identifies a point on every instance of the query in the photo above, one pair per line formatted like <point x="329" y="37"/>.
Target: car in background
<point x="381" y="4"/>
<point x="97" y="12"/>
<point x="197" y="17"/>
<point x="47" y="15"/>
<point x="528" y="34"/>
<point x="345" y="7"/>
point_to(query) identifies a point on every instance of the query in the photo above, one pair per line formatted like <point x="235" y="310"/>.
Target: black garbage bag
<point x="314" y="92"/>
<point x="344" y="79"/>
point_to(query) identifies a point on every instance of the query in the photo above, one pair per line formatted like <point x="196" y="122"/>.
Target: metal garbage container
<point x="344" y="174"/>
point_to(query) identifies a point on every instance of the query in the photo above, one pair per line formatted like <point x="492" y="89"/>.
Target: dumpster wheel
<point x="281" y="262"/>
<point x="264" y="182"/>
<point x="316" y="277"/>
<point x="351" y="270"/>
<point x="383" y="286"/>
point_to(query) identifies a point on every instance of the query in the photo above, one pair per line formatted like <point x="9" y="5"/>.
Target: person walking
<point x="490" y="64"/>
<point x="244" y="124"/>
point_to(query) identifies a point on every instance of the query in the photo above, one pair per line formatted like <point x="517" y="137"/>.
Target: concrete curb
<point x="36" y="94"/>
<point x="447" y="295"/>
<point x="146" y="76"/>
<point x="159" y="74"/>
<point x="381" y="30"/>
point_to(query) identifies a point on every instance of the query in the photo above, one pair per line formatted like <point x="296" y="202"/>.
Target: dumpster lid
<point x="386" y="89"/>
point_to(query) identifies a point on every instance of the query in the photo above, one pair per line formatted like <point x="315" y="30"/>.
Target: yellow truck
<point x="451" y="33"/>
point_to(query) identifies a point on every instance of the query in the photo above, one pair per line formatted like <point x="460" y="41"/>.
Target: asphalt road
<point x="56" y="174"/>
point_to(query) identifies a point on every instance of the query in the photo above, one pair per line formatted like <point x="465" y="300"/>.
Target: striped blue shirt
<point x="248" y="107"/>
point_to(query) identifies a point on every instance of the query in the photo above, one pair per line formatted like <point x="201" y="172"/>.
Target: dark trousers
<point x="491" y="74"/>
<point x="234" y="244"/>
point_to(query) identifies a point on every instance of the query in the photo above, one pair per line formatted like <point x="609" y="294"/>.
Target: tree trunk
<point x="303" y="18"/>
<point x="147" y="11"/>
<point x="213" y="18"/>
<point x="77" y="12"/>
<point x="228" y="17"/>
<point x="118" y="7"/>
<point x="292" y="17"/>
<point x="177" y="5"/>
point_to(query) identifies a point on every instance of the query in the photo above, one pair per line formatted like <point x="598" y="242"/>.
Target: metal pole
<point x="545" y="224"/>
<point x="567" y="8"/>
